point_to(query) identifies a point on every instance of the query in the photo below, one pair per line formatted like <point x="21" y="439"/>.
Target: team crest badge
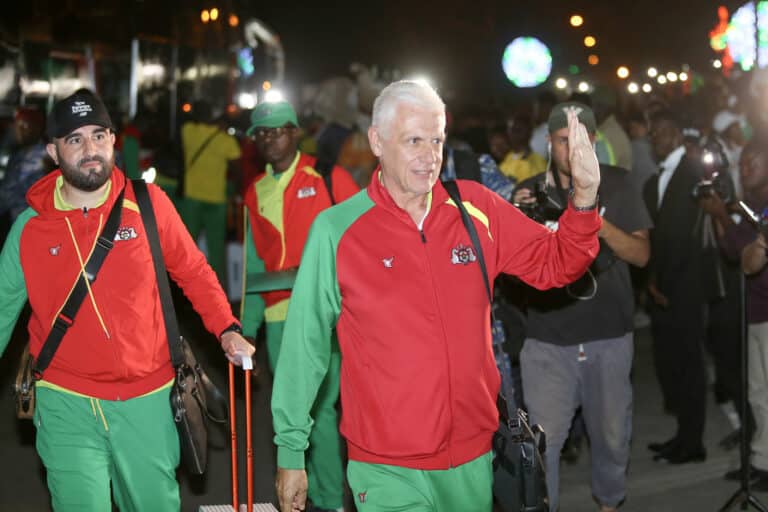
<point x="54" y="250"/>
<point x="462" y="255"/>
<point x="388" y="262"/>
<point x="306" y="192"/>
<point x="126" y="233"/>
<point x="361" y="496"/>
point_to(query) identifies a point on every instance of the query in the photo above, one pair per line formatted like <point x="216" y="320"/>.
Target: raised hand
<point x="585" y="169"/>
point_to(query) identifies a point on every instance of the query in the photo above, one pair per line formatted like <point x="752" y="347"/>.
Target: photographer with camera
<point x="579" y="342"/>
<point x="720" y="279"/>
<point x="742" y="241"/>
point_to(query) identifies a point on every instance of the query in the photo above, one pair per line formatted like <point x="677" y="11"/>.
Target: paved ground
<point x="652" y="486"/>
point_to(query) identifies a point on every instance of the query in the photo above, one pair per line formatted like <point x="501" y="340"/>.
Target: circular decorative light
<point x="622" y="72"/>
<point x="527" y="62"/>
<point x="576" y="20"/>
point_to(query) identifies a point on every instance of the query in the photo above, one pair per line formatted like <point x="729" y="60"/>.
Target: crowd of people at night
<point x="600" y="214"/>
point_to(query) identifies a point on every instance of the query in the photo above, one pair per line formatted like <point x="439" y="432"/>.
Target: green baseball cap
<point x="558" y="118"/>
<point x="272" y="115"/>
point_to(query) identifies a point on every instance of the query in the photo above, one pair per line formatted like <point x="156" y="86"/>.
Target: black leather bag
<point x="194" y="398"/>
<point x="24" y="387"/>
<point x="519" y="479"/>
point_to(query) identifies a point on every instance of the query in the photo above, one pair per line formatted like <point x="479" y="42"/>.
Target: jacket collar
<point x="41" y="196"/>
<point x="380" y="195"/>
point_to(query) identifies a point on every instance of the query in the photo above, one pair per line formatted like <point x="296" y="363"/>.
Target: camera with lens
<point x="715" y="180"/>
<point x="543" y="210"/>
<point x="717" y="184"/>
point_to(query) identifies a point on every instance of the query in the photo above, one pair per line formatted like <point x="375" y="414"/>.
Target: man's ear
<point x="374" y="140"/>
<point x="51" y="150"/>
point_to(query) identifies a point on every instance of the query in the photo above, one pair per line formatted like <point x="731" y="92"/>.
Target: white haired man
<point x="419" y="381"/>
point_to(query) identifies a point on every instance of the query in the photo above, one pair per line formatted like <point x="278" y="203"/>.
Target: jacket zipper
<point x="445" y="347"/>
<point x="119" y="368"/>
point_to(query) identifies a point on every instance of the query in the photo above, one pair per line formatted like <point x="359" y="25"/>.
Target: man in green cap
<point x="579" y="340"/>
<point x="281" y="204"/>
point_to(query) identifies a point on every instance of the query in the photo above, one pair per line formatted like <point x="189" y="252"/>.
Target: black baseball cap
<point x="80" y="109"/>
<point x="558" y="118"/>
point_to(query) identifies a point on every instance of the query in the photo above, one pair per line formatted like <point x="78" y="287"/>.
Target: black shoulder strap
<point x="467" y="166"/>
<point x="452" y="188"/>
<point x="66" y="316"/>
<point x="453" y="192"/>
<point x="163" y="287"/>
<point x="324" y="166"/>
<point x="213" y="397"/>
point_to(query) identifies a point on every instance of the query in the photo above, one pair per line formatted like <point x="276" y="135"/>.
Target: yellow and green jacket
<point x="279" y="210"/>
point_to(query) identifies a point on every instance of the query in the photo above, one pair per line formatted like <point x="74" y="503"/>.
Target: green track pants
<point x="384" y="488"/>
<point x="325" y="469"/>
<point x="210" y="218"/>
<point x="86" y="443"/>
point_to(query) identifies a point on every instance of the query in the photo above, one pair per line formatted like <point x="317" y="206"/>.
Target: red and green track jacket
<point x="116" y="348"/>
<point x="279" y="214"/>
<point x="418" y="377"/>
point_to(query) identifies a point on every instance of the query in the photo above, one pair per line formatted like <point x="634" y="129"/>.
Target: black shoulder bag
<point x="31" y="370"/>
<point x="519" y="482"/>
<point x="193" y="395"/>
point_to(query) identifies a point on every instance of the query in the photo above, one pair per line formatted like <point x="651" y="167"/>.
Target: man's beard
<point x="93" y="179"/>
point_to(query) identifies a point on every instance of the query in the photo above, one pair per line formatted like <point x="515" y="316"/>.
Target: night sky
<point x="460" y="43"/>
<point x="457" y="43"/>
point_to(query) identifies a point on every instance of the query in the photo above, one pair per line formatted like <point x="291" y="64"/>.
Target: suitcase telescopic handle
<point x="247" y="365"/>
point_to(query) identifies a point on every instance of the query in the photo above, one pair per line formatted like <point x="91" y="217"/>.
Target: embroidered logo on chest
<point x="125" y="233"/>
<point x="388" y="262"/>
<point x="462" y="255"/>
<point x="54" y="251"/>
<point x="305" y="192"/>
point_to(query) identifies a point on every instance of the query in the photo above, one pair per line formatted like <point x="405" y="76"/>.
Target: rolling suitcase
<point x="235" y="505"/>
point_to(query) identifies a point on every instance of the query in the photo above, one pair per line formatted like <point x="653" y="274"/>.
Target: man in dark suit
<point x="675" y="287"/>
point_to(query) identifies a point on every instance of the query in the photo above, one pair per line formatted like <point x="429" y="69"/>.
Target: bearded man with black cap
<point x="579" y="342"/>
<point x="102" y="404"/>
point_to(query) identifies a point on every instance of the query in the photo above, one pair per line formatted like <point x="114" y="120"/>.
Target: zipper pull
<point x="85" y="211"/>
<point x="423" y="238"/>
